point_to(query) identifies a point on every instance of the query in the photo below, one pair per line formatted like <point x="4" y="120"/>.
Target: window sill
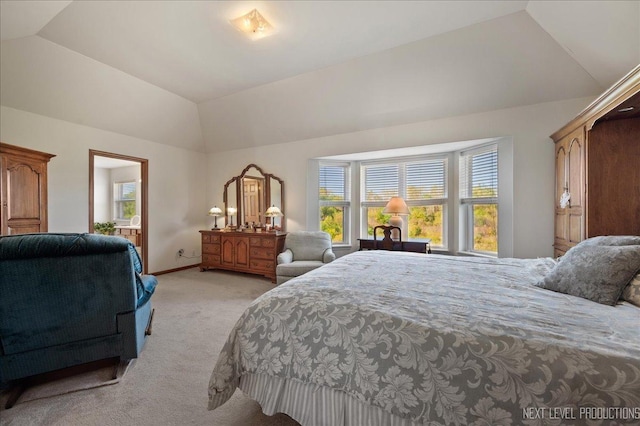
<point x="341" y="246"/>
<point x="477" y="254"/>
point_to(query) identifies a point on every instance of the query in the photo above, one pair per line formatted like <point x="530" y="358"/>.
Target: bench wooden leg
<point x="148" y="330"/>
<point x="15" y="394"/>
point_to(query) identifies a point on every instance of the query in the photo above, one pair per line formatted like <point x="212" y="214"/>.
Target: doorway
<point x="252" y="190"/>
<point x="118" y="192"/>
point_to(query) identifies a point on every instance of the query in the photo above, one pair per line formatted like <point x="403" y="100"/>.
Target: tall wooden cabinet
<point x="23" y="190"/>
<point x="598" y="168"/>
<point x="249" y="252"/>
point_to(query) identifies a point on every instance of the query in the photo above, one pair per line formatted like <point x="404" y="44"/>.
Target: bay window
<point x="453" y="191"/>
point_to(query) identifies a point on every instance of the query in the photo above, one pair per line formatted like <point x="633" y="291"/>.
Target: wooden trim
<point x="144" y="175"/>
<point x="182" y="268"/>
<point x="5" y="148"/>
<point x="623" y="89"/>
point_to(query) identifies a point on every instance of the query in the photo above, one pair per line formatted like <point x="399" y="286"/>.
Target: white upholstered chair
<point x="303" y="252"/>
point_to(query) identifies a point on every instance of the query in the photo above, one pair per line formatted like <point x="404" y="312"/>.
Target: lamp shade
<point x="396" y="206"/>
<point x="273" y="211"/>
<point x="215" y="211"/>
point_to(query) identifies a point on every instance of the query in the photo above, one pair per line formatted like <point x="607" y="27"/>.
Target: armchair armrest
<point x="145" y="286"/>
<point x="328" y="256"/>
<point x="285" y="257"/>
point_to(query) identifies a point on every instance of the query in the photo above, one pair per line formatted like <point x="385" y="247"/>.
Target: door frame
<point x="144" y="175"/>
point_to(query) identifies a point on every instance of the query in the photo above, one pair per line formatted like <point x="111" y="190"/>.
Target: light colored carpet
<point x="74" y="380"/>
<point x="167" y="384"/>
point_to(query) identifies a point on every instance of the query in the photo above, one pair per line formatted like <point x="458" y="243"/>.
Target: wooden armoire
<point x="598" y="168"/>
<point x="23" y="190"/>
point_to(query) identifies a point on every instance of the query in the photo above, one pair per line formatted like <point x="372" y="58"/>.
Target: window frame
<point x="344" y="204"/>
<point x="402" y="189"/>
<point x="467" y="204"/>
<point x="119" y="200"/>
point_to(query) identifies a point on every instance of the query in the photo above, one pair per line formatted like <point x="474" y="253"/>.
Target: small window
<point x="125" y="200"/>
<point x="335" y="201"/>
<point x="479" y="199"/>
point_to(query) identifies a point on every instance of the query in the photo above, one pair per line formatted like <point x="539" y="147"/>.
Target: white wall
<point x="534" y="176"/>
<point x="177" y="205"/>
<point x="101" y="195"/>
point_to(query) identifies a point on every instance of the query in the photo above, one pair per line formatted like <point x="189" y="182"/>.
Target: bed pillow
<point x="612" y="240"/>
<point x="631" y="292"/>
<point x="594" y="272"/>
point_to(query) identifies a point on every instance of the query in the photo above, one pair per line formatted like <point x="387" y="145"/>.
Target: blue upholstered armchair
<point x="69" y="299"/>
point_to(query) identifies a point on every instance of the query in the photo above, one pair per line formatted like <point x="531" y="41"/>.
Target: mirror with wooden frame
<point x="251" y="193"/>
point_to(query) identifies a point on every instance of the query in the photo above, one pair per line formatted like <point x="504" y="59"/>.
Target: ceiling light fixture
<point x="253" y="24"/>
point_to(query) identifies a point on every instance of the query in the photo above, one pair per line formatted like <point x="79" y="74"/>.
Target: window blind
<point x="333" y="183"/>
<point x="414" y="181"/>
<point x="425" y="180"/>
<point x="127" y="191"/>
<point x="380" y="182"/>
<point x="479" y="174"/>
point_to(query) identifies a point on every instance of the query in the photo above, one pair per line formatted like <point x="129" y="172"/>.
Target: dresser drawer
<point x="208" y="238"/>
<point x="262" y="242"/>
<point x="261" y="253"/>
<point x="268" y="242"/>
<point x="266" y="265"/>
<point x="211" y="248"/>
<point x="210" y="260"/>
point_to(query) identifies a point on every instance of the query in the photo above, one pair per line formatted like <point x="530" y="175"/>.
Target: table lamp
<point x="215" y="212"/>
<point x="396" y="207"/>
<point x="231" y="211"/>
<point x="273" y="212"/>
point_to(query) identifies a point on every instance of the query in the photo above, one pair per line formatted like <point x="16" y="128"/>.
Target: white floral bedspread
<point x="430" y="338"/>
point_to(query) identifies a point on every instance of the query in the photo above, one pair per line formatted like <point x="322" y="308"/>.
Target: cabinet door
<point x="228" y="252"/>
<point x="24" y="196"/>
<point x="570" y="177"/>
<point x="562" y="183"/>
<point x="241" y="247"/>
<point x="577" y="186"/>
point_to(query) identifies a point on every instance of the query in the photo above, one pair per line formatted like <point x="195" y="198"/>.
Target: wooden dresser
<point x="598" y="168"/>
<point x="131" y="233"/>
<point x="249" y="252"/>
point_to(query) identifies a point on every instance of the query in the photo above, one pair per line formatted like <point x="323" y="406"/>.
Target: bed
<point x="393" y="338"/>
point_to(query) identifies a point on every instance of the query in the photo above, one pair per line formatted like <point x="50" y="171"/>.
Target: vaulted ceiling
<point x="176" y="72"/>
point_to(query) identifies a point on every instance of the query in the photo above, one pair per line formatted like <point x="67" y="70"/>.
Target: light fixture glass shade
<point x="396" y="206"/>
<point x="253" y="24"/>
<point x="215" y="211"/>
